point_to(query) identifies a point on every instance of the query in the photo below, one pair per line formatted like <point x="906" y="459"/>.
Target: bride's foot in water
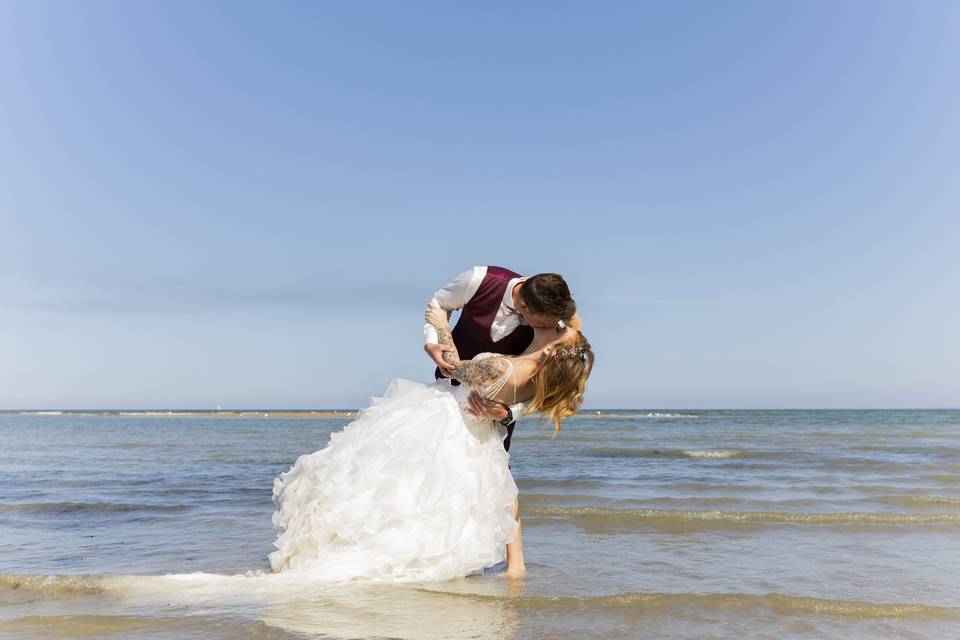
<point x="515" y="565"/>
<point x="515" y="573"/>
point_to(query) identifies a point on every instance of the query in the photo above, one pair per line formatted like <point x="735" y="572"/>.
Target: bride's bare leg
<point x="515" y="566"/>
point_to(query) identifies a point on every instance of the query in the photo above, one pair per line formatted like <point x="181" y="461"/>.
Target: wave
<point x="533" y="484"/>
<point x="919" y="501"/>
<point x="827" y="459"/>
<point x="161" y="585"/>
<point x="52" y="585"/>
<point x="906" y="449"/>
<point x="651" y="414"/>
<point x="130" y="626"/>
<point x="722" y="453"/>
<point x="886" y="489"/>
<point x="584" y="499"/>
<point x="710" y="487"/>
<point x="627" y="452"/>
<point x="69" y="507"/>
<point x="782" y="604"/>
<point x="602" y="515"/>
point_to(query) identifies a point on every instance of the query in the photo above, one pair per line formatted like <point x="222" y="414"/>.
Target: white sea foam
<point x="716" y="453"/>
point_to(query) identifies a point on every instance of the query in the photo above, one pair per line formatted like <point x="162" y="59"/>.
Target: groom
<point x="500" y="309"/>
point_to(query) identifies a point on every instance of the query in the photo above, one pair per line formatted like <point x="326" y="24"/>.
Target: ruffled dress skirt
<point x="414" y="489"/>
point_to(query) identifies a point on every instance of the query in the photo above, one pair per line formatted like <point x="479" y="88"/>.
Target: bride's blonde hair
<point x="560" y="380"/>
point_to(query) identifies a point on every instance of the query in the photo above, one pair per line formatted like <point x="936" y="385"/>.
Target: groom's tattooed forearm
<point x="445" y="337"/>
<point x="476" y="373"/>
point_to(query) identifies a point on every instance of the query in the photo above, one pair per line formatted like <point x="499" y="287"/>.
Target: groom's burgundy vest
<point x="472" y="333"/>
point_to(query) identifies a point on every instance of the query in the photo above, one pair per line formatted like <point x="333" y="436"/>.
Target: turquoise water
<point x="660" y="523"/>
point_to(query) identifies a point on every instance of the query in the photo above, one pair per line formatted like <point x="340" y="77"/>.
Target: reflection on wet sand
<point x="297" y="605"/>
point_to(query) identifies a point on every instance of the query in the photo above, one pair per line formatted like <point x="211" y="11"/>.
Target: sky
<point x="756" y="205"/>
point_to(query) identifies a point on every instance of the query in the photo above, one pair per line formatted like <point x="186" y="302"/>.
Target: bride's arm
<point x="480" y="373"/>
<point x="475" y="373"/>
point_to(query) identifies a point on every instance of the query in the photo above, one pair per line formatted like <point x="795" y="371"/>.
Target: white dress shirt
<point x="461" y="290"/>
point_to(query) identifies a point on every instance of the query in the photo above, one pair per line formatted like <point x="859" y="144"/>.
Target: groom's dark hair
<point x="548" y="294"/>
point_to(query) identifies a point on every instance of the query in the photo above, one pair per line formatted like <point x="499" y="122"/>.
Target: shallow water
<point x="679" y="524"/>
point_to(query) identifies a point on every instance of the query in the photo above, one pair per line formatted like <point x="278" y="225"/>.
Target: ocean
<point x="636" y="524"/>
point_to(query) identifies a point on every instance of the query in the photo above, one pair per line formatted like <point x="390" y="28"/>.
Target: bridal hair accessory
<point x="578" y="352"/>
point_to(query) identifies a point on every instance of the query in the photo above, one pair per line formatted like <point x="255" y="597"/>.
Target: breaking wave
<point x="667" y="516"/>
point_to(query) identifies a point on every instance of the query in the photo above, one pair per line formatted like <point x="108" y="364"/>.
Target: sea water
<point x="660" y="523"/>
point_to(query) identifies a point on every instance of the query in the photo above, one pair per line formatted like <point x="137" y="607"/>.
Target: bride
<point x="417" y="488"/>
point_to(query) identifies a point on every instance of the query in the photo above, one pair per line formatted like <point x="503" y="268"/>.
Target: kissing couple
<point x="418" y="487"/>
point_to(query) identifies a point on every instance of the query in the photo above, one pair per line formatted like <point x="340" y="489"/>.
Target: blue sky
<point x="248" y="204"/>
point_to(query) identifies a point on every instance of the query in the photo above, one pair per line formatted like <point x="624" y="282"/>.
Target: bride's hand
<point x="436" y="316"/>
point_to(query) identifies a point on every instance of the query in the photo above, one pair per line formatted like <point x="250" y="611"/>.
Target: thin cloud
<point x="182" y="297"/>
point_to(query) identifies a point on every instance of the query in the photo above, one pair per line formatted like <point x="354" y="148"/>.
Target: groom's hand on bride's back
<point x="436" y="351"/>
<point x="486" y="408"/>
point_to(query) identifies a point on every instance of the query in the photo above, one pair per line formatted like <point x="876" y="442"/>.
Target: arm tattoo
<point x="475" y="373"/>
<point x="445" y="337"/>
<point x="480" y="373"/>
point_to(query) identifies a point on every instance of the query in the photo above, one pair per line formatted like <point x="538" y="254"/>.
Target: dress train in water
<point x="415" y="489"/>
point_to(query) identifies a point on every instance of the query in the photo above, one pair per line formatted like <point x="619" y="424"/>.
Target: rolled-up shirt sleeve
<point x="453" y="296"/>
<point x="518" y="410"/>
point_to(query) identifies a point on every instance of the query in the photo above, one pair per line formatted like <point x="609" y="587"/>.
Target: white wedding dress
<point x="415" y="489"/>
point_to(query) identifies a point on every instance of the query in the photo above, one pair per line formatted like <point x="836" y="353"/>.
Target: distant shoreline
<point x="304" y="414"/>
<point x="191" y="414"/>
<point x="334" y="414"/>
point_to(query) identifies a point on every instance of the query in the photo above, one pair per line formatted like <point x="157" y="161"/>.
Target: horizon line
<point x="355" y="409"/>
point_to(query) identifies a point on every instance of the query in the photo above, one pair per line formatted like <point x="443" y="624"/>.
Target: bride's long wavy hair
<point x="560" y="380"/>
